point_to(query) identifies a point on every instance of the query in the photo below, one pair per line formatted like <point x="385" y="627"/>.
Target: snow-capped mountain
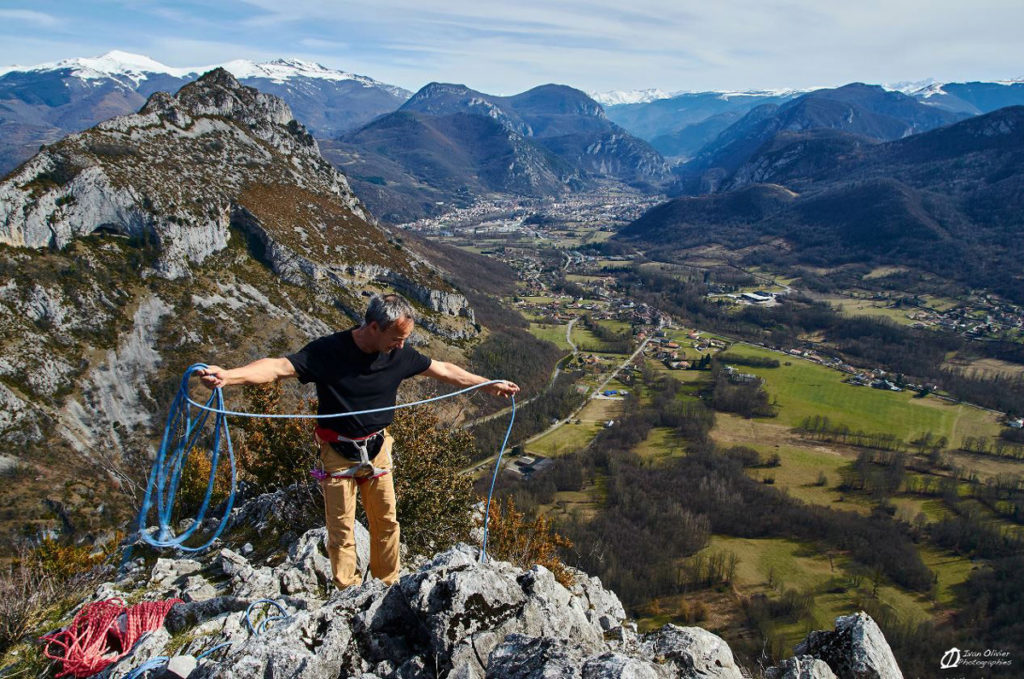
<point x="619" y="97"/>
<point x="968" y="97"/>
<point x="45" y="102"/>
<point x="114" y="64"/>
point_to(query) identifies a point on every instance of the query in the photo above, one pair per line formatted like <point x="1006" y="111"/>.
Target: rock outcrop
<point x="856" y="648"/>
<point x="450" y="616"/>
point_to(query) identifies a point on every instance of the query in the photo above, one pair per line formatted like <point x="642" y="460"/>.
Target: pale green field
<point x="804" y="389"/>
<point x="551" y="333"/>
<point x="566" y="439"/>
<point x="792" y="565"/>
<point x="661" y="444"/>
<point x="862" y="307"/>
<point x="586" y="339"/>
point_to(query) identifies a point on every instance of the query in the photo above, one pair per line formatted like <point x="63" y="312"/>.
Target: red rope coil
<point x="102" y="633"/>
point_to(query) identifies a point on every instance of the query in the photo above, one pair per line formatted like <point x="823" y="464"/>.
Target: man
<point x="358" y="369"/>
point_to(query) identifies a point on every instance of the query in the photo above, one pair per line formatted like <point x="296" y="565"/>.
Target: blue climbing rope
<point x="185" y="424"/>
<point x="261" y="626"/>
<point x="156" y="662"/>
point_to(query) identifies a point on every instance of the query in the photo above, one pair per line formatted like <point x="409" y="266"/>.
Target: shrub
<point x="25" y="589"/>
<point x="195" y="478"/>
<point x="513" y="538"/>
<point x="435" y="498"/>
<point x="274" y="452"/>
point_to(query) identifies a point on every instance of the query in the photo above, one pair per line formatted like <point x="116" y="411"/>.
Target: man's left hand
<point x="505" y="389"/>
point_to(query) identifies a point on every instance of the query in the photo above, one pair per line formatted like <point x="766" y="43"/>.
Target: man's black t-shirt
<point x="348" y="379"/>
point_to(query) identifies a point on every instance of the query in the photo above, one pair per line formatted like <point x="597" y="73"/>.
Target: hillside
<point x="947" y="201"/>
<point x="449" y="144"/>
<point x="206" y="227"/>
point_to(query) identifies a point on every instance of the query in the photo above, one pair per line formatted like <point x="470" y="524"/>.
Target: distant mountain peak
<point x="618" y="97"/>
<point x="112" y="64"/>
<point x="116" y="63"/>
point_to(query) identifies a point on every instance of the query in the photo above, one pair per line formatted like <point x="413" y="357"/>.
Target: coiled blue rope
<point x="190" y="418"/>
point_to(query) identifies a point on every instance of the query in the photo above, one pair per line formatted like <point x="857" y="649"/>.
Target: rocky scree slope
<point x="448" y="616"/>
<point x="205" y="227"/>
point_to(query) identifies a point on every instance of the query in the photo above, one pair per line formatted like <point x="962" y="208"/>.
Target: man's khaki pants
<point x="340" y="511"/>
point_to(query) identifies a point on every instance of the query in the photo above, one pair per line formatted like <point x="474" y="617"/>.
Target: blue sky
<point x="506" y="47"/>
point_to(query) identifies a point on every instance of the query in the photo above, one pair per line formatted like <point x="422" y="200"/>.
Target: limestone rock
<point x="800" y="667"/>
<point x="695" y="652"/>
<point x="856" y="649"/>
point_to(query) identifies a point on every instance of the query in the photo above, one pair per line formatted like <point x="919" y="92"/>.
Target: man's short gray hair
<point x="386" y="309"/>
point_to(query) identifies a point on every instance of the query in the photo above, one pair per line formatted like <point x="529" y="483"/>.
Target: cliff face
<point x="205" y="227"/>
<point x="448" y="616"/>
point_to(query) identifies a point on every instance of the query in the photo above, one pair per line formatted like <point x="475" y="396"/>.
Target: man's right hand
<point x="213" y="377"/>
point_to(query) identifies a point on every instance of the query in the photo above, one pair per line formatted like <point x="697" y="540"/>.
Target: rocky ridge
<point x="449" y="616"/>
<point x="207" y="226"/>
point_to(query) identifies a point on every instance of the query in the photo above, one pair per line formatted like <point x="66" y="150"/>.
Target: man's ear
<point x="373" y="325"/>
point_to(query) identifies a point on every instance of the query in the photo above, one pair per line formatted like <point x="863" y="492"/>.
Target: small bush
<point x="274" y="453"/>
<point x="25" y="590"/>
<point x="513" y="538"/>
<point x="435" y="498"/>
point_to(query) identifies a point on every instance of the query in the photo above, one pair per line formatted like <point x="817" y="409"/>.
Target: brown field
<point x="988" y="367"/>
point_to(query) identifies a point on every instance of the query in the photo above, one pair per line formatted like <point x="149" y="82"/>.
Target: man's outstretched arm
<point x="258" y="372"/>
<point x="450" y="373"/>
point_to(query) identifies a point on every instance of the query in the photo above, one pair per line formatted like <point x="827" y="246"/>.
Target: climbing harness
<point x="363" y="471"/>
<point x="103" y="632"/>
<point x="187" y="421"/>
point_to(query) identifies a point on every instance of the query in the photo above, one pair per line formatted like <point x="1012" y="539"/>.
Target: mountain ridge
<point x="947" y="201"/>
<point x="162" y="236"/>
<point x="39" y="105"/>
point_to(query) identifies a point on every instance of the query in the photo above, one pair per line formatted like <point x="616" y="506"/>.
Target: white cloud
<point x="505" y="46"/>
<point x="29" y="16"/>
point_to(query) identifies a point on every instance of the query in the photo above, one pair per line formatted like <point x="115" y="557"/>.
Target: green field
<point x="551" y="333"/>
<point x="804" y="389"/>
<point x="586" y="340"/>
<point x="566" y="439"/>
<point x="849" y="306"/>
<point x="661" y="443"/>
<point x="791" y="565"/>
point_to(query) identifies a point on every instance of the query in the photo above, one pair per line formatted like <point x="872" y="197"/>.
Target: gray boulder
<point x="693" y="651"/>
<point x="800" y="667"/>
<point x="856" y="649"/>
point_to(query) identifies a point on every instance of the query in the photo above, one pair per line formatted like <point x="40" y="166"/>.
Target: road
<point x="551" y="382"/>
<point x="600" y="388"/>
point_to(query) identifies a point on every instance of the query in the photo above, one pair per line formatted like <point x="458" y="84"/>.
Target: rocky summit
<point x="449" y="616"/>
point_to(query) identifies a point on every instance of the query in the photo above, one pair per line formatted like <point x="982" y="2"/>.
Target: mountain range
<point x="449" y="144"/>
<point x="41" y="104"/>
<point x="679" y="124"/>
<point x="946" y="201"/>
<point x="868" y="111"/>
